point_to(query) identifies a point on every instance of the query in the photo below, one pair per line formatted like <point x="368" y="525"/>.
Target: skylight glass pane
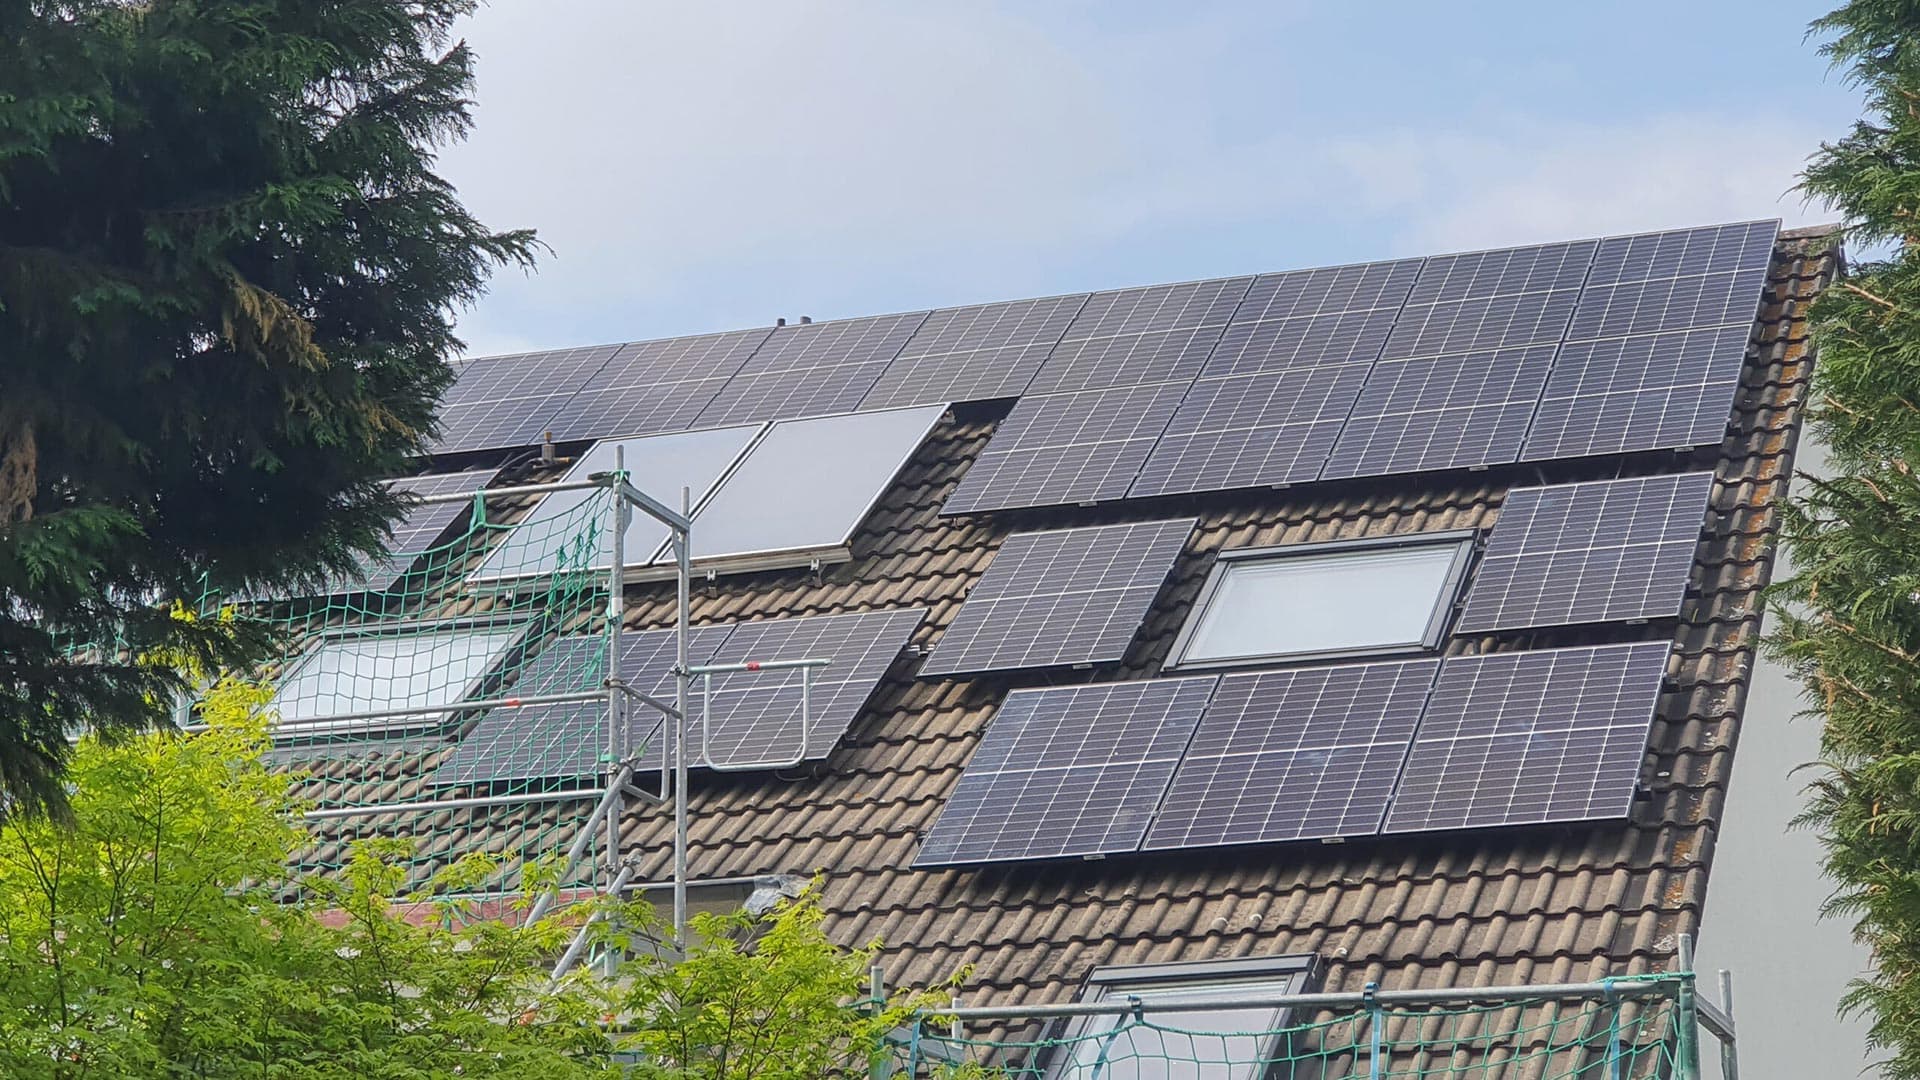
<point x="657" y="465"/>
<point x="1226" y="1043"/>
<point x="809" y="483"/>
<point x="1335" y="602"/>
<point x="414" y="671"/>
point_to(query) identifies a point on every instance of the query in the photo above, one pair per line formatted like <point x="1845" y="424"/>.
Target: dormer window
<point x="1316" y="601"/>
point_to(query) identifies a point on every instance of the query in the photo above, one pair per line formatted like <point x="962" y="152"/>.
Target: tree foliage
<point x="154" y="936"/>
<point x="1849" y="617"/>
<point x="228" y="274"/>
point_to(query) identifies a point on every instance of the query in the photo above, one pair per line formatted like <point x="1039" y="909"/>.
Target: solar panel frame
<point x="506" y="401"/>
<point x="1441" y="412"/>
<point x="1266" y="430"/>
<point x="1602" y="551"/>
<point x="1305" y="753"/>
<point x="1483" y="300"/>
<point x="1673" y="390"/>
<point x="1539" y="737"/>
<point x="1057" y="449"/>
<point x="1356" y="287"/>
<point x="1068" y="771"/>
<point x="974" y="353"/>
<point x="812" y="369"/>
<point x="755" y="714"/>
<point x="1063" y="596"/>
<point x="655" y="386"/>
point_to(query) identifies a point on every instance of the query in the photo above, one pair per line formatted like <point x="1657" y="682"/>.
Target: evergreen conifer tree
<point x="228" y="275"/>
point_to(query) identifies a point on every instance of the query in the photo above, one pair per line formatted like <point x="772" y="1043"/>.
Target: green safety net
<point x="1598" y="1038"/>
<point x="413" y="686"/>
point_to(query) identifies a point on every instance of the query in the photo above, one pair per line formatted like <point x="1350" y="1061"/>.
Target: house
<point x="1064" y="736"/>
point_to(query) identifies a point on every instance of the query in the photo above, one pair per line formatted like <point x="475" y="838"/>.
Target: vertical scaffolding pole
<point x="683" y="556"/>
<point x="616" y="615"/>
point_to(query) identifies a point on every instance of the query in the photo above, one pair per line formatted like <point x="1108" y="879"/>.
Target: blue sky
<point x="715" y="165"/>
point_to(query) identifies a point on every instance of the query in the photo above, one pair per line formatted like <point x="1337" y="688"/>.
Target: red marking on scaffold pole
<point x="753" y="665"/>
<point x="513" y="703"/>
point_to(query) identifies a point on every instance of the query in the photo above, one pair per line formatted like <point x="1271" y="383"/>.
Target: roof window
<point x="1230" y="1039"/>
<point x="1314" y="601"/>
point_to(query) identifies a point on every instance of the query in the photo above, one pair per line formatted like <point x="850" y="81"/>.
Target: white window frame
<point x="429" y="716"/>
<point x="1298" y="974"/>
<point x="1445" y="602"/>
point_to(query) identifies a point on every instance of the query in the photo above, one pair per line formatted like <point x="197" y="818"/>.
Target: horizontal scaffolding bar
<point x="755" y="665"/>
<point x="1618" y="988"/>
<point x="296" y="727"/>
<point x="565" y="795"/>
<point x="517" y="489"/>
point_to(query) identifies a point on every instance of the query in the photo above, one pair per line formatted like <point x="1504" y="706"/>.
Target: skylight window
<point x="1308" y="601"/>
<point x="424" y="671"/>
<point x="1228" y="1040"/>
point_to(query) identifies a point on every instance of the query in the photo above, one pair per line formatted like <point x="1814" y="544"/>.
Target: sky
<point x="708" y="166"/>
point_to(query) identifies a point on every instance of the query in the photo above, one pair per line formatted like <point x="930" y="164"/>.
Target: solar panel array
<point x="1303" y="754"/>
<point x="1158" y="333"/>
<point x="1455" y="361"/>
<point x="655" y="386"/>
<point x="812" y="370"/>
<point x="1066" y="596"/>
<point x="1532" y="737"/>
<point x="505" y="401"/>
<point x="1306" y="753"/>
<point x="1606" y="551"/>
<point x="1071" y="770"/>
<point x="1058" y="449"/>
<point x="755" y="715"/>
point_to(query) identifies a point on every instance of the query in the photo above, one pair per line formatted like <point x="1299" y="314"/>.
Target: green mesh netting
<point x="1601" y="1038"/>
<point x="474" y="668"/>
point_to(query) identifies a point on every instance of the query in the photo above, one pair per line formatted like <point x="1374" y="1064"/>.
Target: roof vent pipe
<point x="779" y="322"/>
<point x="806" y="320"/>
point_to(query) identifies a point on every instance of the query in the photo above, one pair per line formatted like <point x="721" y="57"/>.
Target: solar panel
<point x="1531" y="737"/>
<point x="423" y="524"/>
<point x="974" y="353"/>
<point x="1067" y="596"/>
<point x="1675" y="280"/>
<point x="1057" y="449"/>
<point x="505" y="401"/>
<point x="1346" y="337"/>
<point x="1069" y="770"/>
<point x="1491" y="299"/>
<point x="1652" y="392"/>
<point x="570" y="739"/>
<point x="1584" y="553"/>
<point x="1132" y="336"/>
<point x="1302" y="754"/>
<point x="1441" y="412"/>
<point x="655" y="386"/>
<point x="812" y="369"/>
<point x="658" y="465"/>
<point x="1328" y="289"/>
<point x="1252" y="431"/>
<point x="809" y="483"/>
<point x="756" y="714"/>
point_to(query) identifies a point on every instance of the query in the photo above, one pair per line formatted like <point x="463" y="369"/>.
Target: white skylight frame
<point x="434" y="703"/>
<point x="1440" y="556"/>
<point x="1087" y="1050"/>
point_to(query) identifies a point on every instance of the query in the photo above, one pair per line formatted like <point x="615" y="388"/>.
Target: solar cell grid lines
<point x="1515" y="271"/>
<point x="1359" y="287"/>
<point x="1648" y="392"/>
<point x="1491" y="299"/>
<point x="1301" y="754"/>
<point x="1260" y="430"/>
<point x="422" y="525"/>
<point x="1682" y="252"/>
<point x="1441" y="413"/>
<point x="1132" y="336"/>
<point x="1066" y="771"/>
<point x="655" y="386"/>
<point x="1060" y="449"/>
<point x="1531" y="738"/>
<point x="1584" y="553"/>
<point x="756" y="714"/>
<point x="1068" y="596"/>
<point x="1250" y="348"/>
<point x="974" y="353"/>
<point x="812" y="369"/>
<point x="506" y="401"/>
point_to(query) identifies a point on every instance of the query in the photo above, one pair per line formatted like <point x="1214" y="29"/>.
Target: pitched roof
<point x="1471" y="908"/>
